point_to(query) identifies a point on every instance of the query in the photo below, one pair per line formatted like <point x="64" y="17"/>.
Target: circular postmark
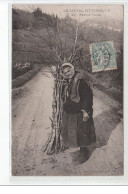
<point x="101" y="56"/>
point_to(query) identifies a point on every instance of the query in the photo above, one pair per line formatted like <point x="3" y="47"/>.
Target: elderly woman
<point x="78" y="127"/>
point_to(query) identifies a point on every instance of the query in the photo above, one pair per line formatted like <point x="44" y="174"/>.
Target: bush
<point x="20" y="69"/>
<point x="19" y="92"/>
<point x="19" y="81"/>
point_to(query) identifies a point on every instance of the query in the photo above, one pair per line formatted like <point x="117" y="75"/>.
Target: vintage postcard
<point x="67" y="90"/>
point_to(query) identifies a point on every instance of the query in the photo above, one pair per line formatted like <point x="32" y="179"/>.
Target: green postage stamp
<point x="103" y="56"/>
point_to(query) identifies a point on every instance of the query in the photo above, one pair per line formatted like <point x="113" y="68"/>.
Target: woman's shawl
<point x="73" y="87"/>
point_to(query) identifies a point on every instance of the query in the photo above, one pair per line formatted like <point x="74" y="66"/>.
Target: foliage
<point x="20" y="80"/>
<point x="19" y="69"/>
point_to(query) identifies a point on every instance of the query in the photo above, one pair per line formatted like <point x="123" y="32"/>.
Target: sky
<point x="76" y="11"/>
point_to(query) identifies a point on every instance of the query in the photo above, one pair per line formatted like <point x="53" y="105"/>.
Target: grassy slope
<point x="109" y="82"/>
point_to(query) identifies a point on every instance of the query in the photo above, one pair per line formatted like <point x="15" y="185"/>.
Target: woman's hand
<point x="85" y="116"/>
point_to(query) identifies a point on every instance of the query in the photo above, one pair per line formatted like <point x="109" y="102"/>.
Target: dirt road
<point x="31" y="126"/>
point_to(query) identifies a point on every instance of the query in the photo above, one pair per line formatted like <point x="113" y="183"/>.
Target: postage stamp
<point x="103" y="56"/>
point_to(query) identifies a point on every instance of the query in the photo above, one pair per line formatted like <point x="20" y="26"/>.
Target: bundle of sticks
<point x="53" y="143"/>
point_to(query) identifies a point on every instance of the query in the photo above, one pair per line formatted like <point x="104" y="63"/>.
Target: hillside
<point x="60" y="33"/>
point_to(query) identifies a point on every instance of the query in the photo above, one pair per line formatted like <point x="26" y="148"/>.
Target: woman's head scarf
<point x="67" y="65"/>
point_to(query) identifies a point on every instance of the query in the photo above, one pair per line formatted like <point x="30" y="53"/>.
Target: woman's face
<point x="68" y="72"/>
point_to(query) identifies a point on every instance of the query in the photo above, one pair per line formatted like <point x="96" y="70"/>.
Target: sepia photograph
<point x="67" y="90"/>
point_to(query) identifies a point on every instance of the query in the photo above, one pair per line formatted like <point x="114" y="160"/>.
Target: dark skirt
<point x="77" y="133"/>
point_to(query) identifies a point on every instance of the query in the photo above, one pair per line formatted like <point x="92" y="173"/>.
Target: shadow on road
<point x="105" y="123"/>
<point x="75" y="155"/>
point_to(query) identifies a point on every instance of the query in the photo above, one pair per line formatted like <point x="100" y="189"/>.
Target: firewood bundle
<point x="53" y="143"/>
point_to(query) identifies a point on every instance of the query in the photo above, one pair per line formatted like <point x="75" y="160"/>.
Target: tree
<point x="37" y="12"/>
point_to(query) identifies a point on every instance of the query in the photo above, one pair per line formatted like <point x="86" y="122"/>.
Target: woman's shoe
<point x="82" y="157"/>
